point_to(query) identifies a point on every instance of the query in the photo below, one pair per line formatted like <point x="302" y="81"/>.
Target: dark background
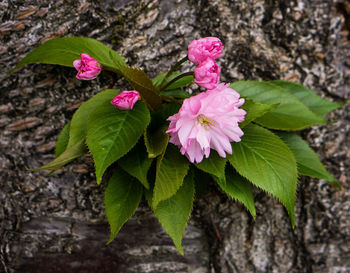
<point x="57" y="223"/>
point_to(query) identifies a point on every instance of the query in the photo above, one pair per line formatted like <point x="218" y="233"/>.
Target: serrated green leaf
<point x="62" y="140"/>
<point x="79" y="122"/>
<point x="291" y="114"/>
<point x="73" y="152"/>
<point x="266" y="161"/>
<point x="173" y="213"/>
<point x="254" y="110"/>
<point x="308" y="162"/>
<point x="111" y="133"/>
<point x="214" y="165"/>
<point x="122" y="197"/>
<point x="315" y="103"/>
<point x="63" y="51"/>
<point x="171" y="170"/>
<point x="136" y="163"/>
<point x="238" y="188"/>
<point x="156" y="141"/>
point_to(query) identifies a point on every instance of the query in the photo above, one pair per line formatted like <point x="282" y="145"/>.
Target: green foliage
<point x="62" y="140"/>
<point x="136" y="163"/>
<point x="79" y="122"/>
<point x="63" y="51"/>
<point x="176" y="93"/>
<point x="291" y="114"/>
<point x="170" y="173"/>
<point x="316" y="104"/>
<point x="182" y="82"/>
<point x="173" y="213"/>
<point x="254" y="110"/>
<point x="308" y="162"/>
<point x="266" y="161"/>
<point x="156" y="141"/>
<point x="239" y="189"/>
<point x="122" y="197"/>
<point x="111" y="133"/>
<point x="214" y="165"/>
<point x="73" y="152"/>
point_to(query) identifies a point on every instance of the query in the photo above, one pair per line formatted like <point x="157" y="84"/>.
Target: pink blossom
<point x="88" y="68"/>
<point x="200" y="50"/>
<point x="207" y="74"/>
<point x="207" y="121"/>
<point x="126" y="100"/>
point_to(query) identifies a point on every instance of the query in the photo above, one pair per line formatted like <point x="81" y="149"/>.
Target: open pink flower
<point x="126" y="100"/>
<point x="200" y="50"/>
<point x="207" y="74"/>
<point x="207" y="121"/>
<point x="88" y="68"/>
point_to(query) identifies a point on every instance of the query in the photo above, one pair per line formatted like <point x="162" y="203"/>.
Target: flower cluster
<point x="203" y="53"/>
<point x="210" y="119"/>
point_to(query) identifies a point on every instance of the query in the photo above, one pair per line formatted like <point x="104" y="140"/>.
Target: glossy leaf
<point x="266" y="161"/>
<point x="254" y="110"/>
<point x="62" y="140"/>
<point x="173" y="213"/>
<point x="214" y="165"/>
<point x="170" y="173"/>
<point x="63" y="51"/>
<point x="238" y="188"/>
<point x="176" y="93"/>
<point x="136" y="163"/>
<point x="291" y="114"/>
<point x="315" y="103"/>
<point x="308" y="162"/>
<point x="122" y="197"/>
<point x="78" y="127"/>
<point x="111" y="133"/>
<point x="182" y="82"/>
<point x="156" y="141"/>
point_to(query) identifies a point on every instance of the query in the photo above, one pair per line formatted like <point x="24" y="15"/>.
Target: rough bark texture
<point x="57" y="223"/>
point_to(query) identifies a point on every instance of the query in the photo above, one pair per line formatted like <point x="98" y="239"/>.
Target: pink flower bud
<point x="207" y="74"/>
<point x="88" y="68"/>
<point x="125" y="100"/>
<point x="200" y="50"/>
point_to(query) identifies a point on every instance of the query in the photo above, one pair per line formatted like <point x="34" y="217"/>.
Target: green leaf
<point x="254" y="110"/>
<point x="79" y="122"/>
<point x="315" y="103"/>
<point x="266" y="161"/>
<point x="238" y="188"/>
<point x="291" y="114"/>
<point x="156" y="141"/>
<point x="111" y="133"/>
<point x="173" y="213"/>
<point x="62" y="140"/>
<point x="63" y="51"/>
<point x="171" y="170"/>
<point x="308" y="162"/>
<point x="176" y="93"/>
<point x="122" y="197"/>
<point x="73" y="152"/>
<point x="136" y="163"/>
<point x="202" y="181"/>
<point x="214" y="164"/>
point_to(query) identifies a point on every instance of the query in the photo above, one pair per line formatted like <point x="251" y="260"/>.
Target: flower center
<point x="205" y="121"/>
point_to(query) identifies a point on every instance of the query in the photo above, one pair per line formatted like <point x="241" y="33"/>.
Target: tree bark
<point x="57" y="223"/>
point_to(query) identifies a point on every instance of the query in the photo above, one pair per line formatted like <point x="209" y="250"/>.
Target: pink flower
<point x="200" y="50"/>
<point x="207" y="74"/>
<point x="207" y="121"/>
<point x="88" y="68"/>
<point x="125" y="100"/>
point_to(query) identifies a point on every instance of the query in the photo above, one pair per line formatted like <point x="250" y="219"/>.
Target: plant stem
<point x="176" y="79"/>
<point x="175" y="67"/>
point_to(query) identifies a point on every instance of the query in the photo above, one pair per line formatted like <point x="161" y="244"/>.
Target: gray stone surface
<point x="57" y="223"/>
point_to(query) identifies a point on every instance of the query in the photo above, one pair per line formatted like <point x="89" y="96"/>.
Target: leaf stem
<point x="174" y="68"/>
<point x="176" y="79"/>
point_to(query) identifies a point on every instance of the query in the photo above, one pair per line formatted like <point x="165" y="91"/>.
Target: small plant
<point x="164" y="140"/>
